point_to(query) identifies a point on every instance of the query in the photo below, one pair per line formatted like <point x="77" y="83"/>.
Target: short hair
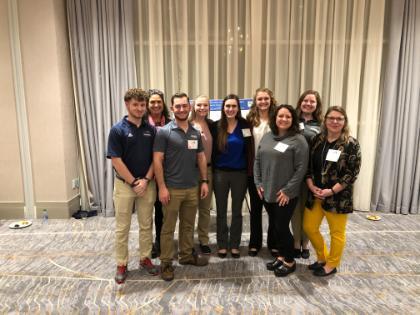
<point x="294" y="128"/>
<point x="318" y="110"/>
<point x="179" y="95"/>
<point x="137" y="94"/>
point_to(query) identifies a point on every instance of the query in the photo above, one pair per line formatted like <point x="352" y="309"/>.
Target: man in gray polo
<point x="178" y="158"/>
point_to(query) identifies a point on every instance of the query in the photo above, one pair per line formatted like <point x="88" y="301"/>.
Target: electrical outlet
<point x="75" y="183"/>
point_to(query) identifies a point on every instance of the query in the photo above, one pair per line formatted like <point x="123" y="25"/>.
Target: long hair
<point x="345" y="132"/>
<point x="318" y="110"/>
<point x="159" y="93"/>
<point x="253" y="116"/>
<point x="293" y="129"/>
<point x="222" y="125"/>
<point x="193" y="114"/>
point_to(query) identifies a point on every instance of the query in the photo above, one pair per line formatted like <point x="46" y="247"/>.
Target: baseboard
<point x="12" y="210"/>
<point x="58" y="210"/>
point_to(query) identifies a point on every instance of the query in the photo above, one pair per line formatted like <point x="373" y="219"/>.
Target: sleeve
<point x="300" y="164"/>
<point x="115" y="146"/>
<point x="350" y="167"/>
<point x="161" y="139"/>
<point x="200" y="147"/>
<point x="257" y="166"/>
<point x="309" y="171"/>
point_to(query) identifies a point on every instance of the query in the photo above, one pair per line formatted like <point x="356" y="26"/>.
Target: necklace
<point x="324" y="158"/>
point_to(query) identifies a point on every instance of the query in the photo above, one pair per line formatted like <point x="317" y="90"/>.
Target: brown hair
<point x="159" y="93"/>
<point x="222" y="133"/>
<point x="318" y="110"/>
<point x="137" y="94"/>
<point x="294" y="128"/>
<point x="253" y="116"/>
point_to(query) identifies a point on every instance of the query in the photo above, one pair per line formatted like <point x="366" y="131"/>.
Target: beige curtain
<point x="216" y="47"/>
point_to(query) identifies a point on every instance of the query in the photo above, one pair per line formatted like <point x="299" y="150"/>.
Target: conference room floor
<point x="67" y="266"/>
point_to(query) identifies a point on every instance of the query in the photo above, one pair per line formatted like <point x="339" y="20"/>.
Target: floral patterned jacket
<point x="344" y="171"/>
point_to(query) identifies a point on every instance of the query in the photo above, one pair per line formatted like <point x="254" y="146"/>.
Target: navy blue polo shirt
<point x="133" y="145"/>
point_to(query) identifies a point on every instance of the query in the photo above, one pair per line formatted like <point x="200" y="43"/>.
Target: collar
<point x="142" y="121"/>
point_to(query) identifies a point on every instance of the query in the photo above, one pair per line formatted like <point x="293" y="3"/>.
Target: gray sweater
<point x="275" y="170"/>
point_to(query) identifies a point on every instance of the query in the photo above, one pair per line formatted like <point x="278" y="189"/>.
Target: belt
<point x="120" y="178"/>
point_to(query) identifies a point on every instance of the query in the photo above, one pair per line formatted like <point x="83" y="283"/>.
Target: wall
<point x="49" y="101"/>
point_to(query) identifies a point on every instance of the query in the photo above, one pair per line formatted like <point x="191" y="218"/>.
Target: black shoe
<point x="305" y="253"/>
<point x="205" y="249"/>
<point x="221" y="254"/>
<point x="316" y="265"/>
<point x="195" y="260"/>
<point x="284" y="270"/>
<point x="155" y="250"/>
<point x="275" y="253"/>
<point x="235" y="255"/>
<point x="322" y="273"/>
<point x="272" y="265"/>
<point x="297" y="253"/>
<point x="252" y="252"/>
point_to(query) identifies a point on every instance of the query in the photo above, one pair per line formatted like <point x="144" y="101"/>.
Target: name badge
<point x="333" y="155"/>
<point x="281" y="147"/>
<point x="301" y="126"/>
<point x="246" y="132"/>
<point x="192" y="144"/>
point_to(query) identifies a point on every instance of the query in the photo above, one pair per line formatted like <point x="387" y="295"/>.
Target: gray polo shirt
<point x="180" y="154"/>
<point x="280" y="164"/>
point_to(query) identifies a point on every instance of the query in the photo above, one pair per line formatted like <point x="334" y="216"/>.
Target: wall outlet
<point x="75" y="183"/>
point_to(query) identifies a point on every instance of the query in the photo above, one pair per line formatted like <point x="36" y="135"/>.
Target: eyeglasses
<point x="336" y="119"/>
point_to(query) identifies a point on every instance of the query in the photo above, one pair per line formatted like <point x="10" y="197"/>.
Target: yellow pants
<point x="337" y="224"/>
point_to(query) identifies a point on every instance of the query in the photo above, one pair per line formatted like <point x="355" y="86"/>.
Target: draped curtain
<point x="101" y="37"/>
<point x="397" y="173"/>
<point x="216" y="47"/>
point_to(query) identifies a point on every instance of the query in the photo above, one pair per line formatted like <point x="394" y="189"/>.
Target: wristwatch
<point x="134" y="181"/>
<point x="204" y="181"/>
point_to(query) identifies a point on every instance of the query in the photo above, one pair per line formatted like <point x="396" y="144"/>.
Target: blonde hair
<point x="345" y="132"/>
<point x="193" y="114"/>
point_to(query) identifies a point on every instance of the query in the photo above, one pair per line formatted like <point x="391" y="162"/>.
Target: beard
<point x="181" y="118"/>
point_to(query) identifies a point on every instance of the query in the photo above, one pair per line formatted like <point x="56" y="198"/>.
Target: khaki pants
<point x="183" y="203"/>
<point x="337" y="222"/>
<point x="124" y="200"/>
<point x="204" y="211"/>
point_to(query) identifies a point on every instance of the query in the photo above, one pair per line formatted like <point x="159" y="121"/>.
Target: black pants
<point x="158" y="217"/>
<point x="255" y="219"/>
<point x="280" y="220"/>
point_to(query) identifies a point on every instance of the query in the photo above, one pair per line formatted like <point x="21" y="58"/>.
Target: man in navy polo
<point x="178" y="158"/>
<point x="130" y="147"/>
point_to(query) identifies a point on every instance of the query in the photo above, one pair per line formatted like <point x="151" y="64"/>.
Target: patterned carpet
<point x="67" y="267"/>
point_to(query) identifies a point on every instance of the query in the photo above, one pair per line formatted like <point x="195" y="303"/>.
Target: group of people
<point x="297" y="163"/>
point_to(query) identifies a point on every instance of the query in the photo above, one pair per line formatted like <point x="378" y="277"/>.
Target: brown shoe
<point x="166" y="271"/>
<point x="195" y="260"/>
<point x="147" y="265"/>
